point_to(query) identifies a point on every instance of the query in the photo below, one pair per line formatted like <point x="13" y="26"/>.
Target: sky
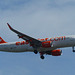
<point x="38" y="19"/>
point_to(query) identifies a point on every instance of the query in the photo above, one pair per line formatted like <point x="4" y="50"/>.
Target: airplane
<point x="48" y="46"/>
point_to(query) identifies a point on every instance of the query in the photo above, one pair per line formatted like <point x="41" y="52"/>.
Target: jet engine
<point x="56" y="52"/>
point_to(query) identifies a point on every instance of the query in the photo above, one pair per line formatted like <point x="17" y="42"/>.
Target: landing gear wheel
<point x="73" y="50"/>
<point x="42" y="57"/>
<point x="35" y="51"/>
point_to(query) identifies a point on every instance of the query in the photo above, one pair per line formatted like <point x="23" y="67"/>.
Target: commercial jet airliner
<point x="48" y="46"/>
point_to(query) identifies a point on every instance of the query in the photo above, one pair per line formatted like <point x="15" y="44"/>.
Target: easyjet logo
<point x="21" y="43"/>
<point x="53" y="39"/>
<point x="46" y="39"/>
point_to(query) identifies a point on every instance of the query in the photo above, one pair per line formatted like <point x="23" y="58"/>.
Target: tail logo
<point x="2" y="41"/>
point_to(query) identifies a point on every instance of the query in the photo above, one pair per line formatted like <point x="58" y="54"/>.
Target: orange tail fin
<point x="2" y="41"/>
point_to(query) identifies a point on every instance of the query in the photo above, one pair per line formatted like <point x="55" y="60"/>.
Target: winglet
<point x="9" y="26"/>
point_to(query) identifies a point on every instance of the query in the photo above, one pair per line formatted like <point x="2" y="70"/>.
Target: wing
<point x="34" y="42"/>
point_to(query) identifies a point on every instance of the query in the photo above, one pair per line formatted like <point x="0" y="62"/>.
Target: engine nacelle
<point x="46" y="44"/>
<point x="57" y="52"/>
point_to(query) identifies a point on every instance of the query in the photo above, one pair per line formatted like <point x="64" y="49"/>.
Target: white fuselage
<point x="68" y="41"/>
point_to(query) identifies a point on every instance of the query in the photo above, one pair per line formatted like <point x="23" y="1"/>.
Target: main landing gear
<point x="73" y="49"/>
<point x="42" y="55"/>
<point x="35" y="51"/>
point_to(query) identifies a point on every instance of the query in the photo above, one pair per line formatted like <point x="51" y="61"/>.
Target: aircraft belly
<point x="46" y="49"/>
<point x="15" y="48"/>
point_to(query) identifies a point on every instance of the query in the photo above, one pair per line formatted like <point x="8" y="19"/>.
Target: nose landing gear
<point x="35" y="51"/>
<point x="73" y="49"/>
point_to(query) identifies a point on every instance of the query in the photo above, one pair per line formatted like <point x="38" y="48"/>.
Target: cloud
<point x="39" y="19"/>
<point x="42" y="17"/>
<point x="12" y="5"/>
<point x="64" y="1"/>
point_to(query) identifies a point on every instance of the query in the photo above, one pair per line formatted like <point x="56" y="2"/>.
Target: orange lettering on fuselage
<point x="46" y="39"/>
<point x="58" y="38"/>
<point x="53" y="39"/>
<point x="21" y="43"/>
<point x="17" y="43"/>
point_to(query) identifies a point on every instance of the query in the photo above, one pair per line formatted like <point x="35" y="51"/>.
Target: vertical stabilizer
<point x="2" y="41"/>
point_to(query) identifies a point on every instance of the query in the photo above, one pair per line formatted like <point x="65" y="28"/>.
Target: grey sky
<point x="39" y="19"/>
